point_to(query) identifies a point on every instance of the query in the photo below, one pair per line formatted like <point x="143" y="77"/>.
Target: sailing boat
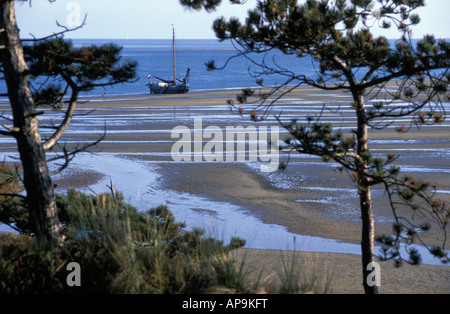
<point x="170" y="86"/>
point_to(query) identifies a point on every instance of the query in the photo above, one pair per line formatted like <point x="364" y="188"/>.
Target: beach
<point x="309" y="198"/>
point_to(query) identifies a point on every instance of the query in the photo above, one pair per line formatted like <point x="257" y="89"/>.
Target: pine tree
<point x="337" y="36"/>
<point x="79" y="69"/>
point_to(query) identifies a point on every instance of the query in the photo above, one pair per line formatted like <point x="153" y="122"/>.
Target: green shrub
<point x="13" y="205"/>
<point x="119" y="249"/>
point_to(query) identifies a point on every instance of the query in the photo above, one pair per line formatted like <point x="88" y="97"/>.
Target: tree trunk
<point x="37" y="181"/>
<point x="368" y="224"/>
<point x="367" y="237"/>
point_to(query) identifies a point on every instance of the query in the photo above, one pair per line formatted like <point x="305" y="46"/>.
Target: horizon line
<point x="140" y="38"/>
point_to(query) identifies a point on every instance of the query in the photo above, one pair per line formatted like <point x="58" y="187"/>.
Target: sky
<point x="153" y="19"/>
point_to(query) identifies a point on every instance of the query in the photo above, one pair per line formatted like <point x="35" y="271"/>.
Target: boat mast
<point x="173" y="54"/>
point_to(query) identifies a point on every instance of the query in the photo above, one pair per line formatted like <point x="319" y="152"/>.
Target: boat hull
<point x="179" y="89"/>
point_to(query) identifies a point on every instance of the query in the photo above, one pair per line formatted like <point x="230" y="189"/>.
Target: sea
<point x="154" y="58"/>
<point x="236" y="70"/>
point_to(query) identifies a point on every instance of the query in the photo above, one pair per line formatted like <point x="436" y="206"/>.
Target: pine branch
<point x="69" y="156"/>
<point x="58" y="34"/>
<point x="51" y="142"/>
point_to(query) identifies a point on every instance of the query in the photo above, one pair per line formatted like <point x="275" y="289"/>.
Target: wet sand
<point x="308" y="198"/>
<point x="238" y="185"/>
